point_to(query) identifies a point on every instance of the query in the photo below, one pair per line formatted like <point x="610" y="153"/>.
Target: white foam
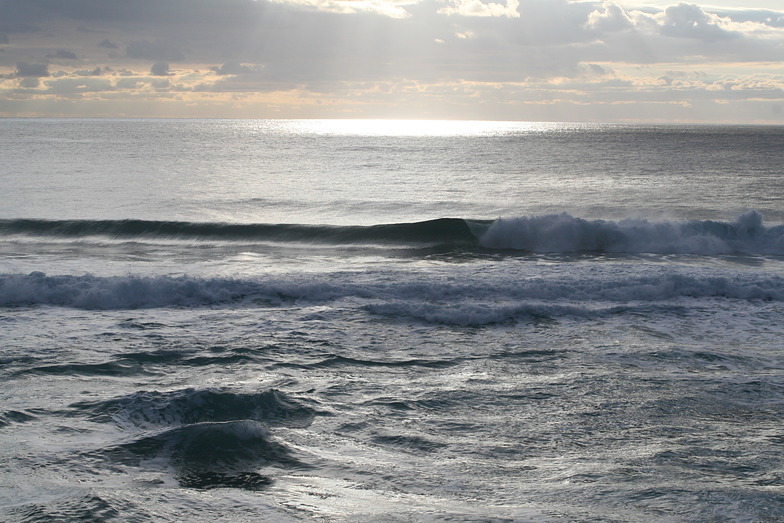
<point x="433" y="295"/>
<point x="565" y="233"/>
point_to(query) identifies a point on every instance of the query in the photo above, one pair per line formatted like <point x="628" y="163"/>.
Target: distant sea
<point x="265" y="320"/>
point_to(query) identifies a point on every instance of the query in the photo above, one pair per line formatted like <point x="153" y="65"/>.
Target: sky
<point x="523" y="60"/>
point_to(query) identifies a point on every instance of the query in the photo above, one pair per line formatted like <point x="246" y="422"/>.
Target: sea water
<point x="207" y="320"/>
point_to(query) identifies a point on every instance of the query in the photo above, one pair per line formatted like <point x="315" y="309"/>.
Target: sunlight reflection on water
<point x="420" y="127"/>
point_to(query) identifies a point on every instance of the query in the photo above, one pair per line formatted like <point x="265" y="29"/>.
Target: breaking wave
<point x="427" y="295"/>
<point x="555" y="233"/>
<point x="561" y="233"/>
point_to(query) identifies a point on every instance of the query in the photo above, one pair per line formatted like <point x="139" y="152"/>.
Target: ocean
<point x="275" y="320"/>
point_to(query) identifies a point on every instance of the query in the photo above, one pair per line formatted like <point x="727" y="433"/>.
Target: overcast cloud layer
<point x="467" y="59"/>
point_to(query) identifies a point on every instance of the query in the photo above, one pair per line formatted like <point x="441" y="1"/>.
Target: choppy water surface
<point x="265" y="320"/>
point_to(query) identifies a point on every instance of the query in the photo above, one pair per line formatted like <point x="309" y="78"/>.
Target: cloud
<point x="29" y="82"/>
<point x="29" y="70"/>
<point x="147" y="84"/>
<point x="3" y="38"/>
<point x="93" y="72"/>
<point x="611" y="17"/>
<point x="234" y="68"/>
<point x="498" y="58"/>
<point x="691" y="21"/>
<point x="597" y="70"/>
<point x="155" y="50"/>
<point x="159" y="69"/>
<point x="396" y="9"/>
<point x="77" y="87"/>
<point x="63" y="55"/>
<point x="479" y="8"/>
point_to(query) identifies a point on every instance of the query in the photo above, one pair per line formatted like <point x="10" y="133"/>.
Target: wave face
<point x="562" y="233"/>
<point x="212" y="438"/>
<point x="555" y="233"/>
<point x="443" y="230"/>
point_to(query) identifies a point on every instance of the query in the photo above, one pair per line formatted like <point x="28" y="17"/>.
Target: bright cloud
<point x="479" y="59"/>
<point x="479" y="8"/>
<point x="390" y="8"/>
<point x="610" y="17"/>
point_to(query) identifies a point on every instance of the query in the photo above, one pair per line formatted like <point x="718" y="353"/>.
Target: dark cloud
<point x="93" y="72"/>
<point x="123" y="11"/>
<point x="20" y="16"/>
<point x="3" y="38"/>
<point x="107" y="44"/>
<point x="233" y="68"/>
<point x="30" y="82"/>
<point x="160" y="69"/>
<point x="156" y="50"/>
<point x="209" y="21"/>
<point x="63" y="54"/>
<point x="28" y="70"/>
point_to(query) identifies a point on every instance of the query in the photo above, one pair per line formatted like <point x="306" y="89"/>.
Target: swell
<point x="443" y="230"/>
